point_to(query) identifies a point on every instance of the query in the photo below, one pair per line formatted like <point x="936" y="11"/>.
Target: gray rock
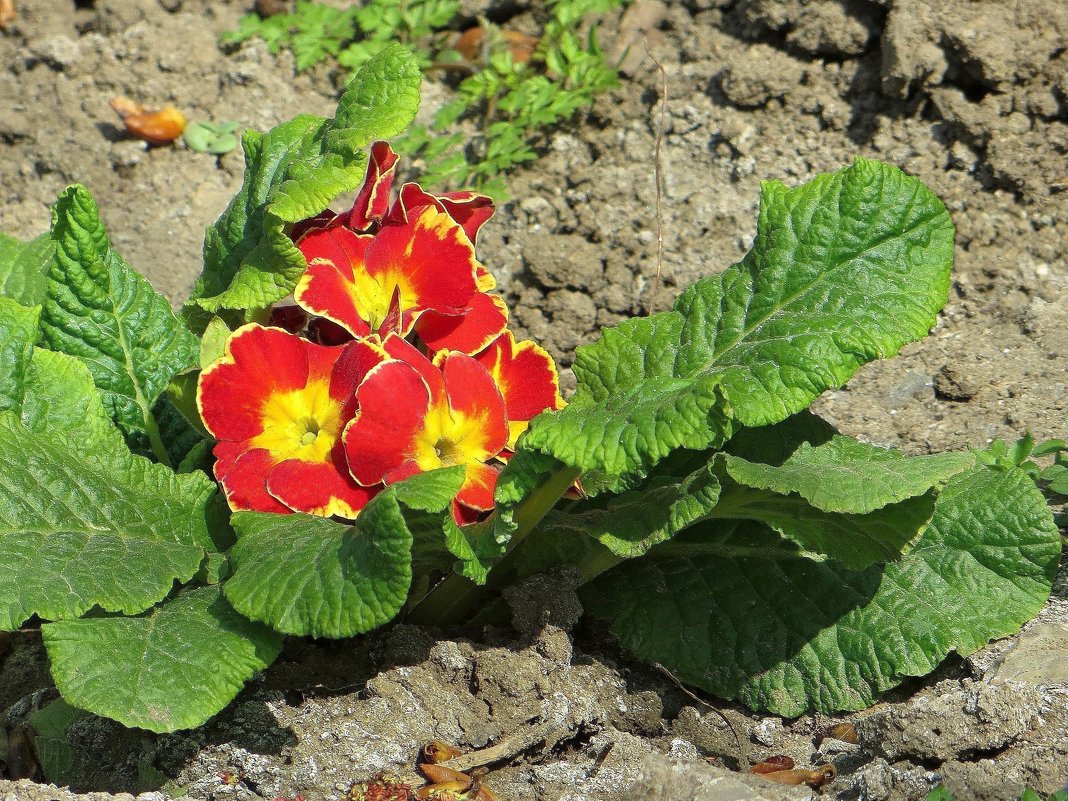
<point x="1040" y="656"/>
<point x="58" y="52"/>
<point x="667" y="780"/>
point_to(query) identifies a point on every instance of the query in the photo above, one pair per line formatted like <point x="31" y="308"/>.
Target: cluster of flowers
<point x="393" y="358"/>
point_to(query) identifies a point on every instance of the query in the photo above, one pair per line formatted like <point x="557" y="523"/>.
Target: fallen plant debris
<point x="339" y="430"/>
<point x="159" y="127"/>
<point x="780" y="769"/>
<point x="7" y="13"/>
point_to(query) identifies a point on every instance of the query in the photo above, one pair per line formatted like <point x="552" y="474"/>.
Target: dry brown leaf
<point x="155" y="127"/>
<point x="436" y="751"/>
<point x="471" y="42"/>
<point x="772" y="764"/>
<point x="817" y="778"/>
<point x="7" y="13"/>
<point x="439" y="775"/>
<point x="846" y="732"/>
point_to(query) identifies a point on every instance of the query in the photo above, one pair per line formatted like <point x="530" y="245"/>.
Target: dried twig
<point x="657" y="174"/>
<point x="742" y="757"/>
<point x="509" y="747"/>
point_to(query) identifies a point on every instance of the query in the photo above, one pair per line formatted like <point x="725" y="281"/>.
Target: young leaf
<point x="740" y="612"/>
<point x="844" y="269"/>
<point x="317" y="577"/>
<point x="24" y="268"/>
<point x="172" y="668"/>
<point x="293" y="172"/>
<point x="104" y="313"/>
<point x="111" y="529"/>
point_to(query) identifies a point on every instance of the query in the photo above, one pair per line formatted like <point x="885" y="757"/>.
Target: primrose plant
<point x="340" y="430"/>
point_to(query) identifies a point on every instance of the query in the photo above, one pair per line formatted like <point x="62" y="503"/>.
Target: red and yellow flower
<point x="388" y="269"/>
<point x="277" y="406"/>
<point x="414" y="415"/>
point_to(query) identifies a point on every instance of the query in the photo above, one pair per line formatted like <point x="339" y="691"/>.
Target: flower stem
<point x="455" y="598"/>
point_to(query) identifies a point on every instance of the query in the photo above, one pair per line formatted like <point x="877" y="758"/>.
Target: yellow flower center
<point x="301" y="424"/>
<point x="371" y="295"/>
<point x="449" y="439"/>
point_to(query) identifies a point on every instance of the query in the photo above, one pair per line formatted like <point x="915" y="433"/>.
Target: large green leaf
<point x="312" y="576"/>
<point x="853" y="502"/>
<point x="172" y="668"/>
<point x="844" y="269"/>
<point x="740" y="612"/>
<point x="91" y="527"/>
<point x="844" y="475"/>
<point x="24" y="268"/>
<point x="292" y="173"/>
<point x="101" y="311"/>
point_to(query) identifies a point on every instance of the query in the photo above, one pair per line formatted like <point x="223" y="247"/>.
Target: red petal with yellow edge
<point x="258" y="361"/>
<point x="380" y="440"/>
<point x="476" y="407"/>
<point x="400" y="348"/>
<point x="485" y="320"/>
<point x="326" y="288"/>
<point x="470" y="209"/>
<point x="372" y="202"/>
<point x="526" y="375"/>
<point x="319" y="488"/>
<point x="430" y="259"/>
<point x="242" y="474"/>
<point x="357" y="359"/>
<point x="477" y="489"/>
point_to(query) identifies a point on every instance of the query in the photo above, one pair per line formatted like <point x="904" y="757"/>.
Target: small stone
<point x="1039" y="657"/>
<point x="58" y="52"/>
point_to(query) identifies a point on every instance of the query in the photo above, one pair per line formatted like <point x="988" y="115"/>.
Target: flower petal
<point x="393" y="406"/>
<point x="258" y="362"/>
<point x="400" y="348"/>
<point x="328" y="287"/>
<point x="527" y="378"/>
<point x="477" y="489"/>
<point x="242" y="474"/>
<point x="319" y="488"/>
<point x="479" y="423"/>
<point x="372" y="201"/>
<point x="470" y="209"/>
<point x="483" y="321"/>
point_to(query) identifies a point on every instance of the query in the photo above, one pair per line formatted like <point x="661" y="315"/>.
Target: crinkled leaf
<point x="24" y="268"/>
<point x="628" y="525"/>
<point x="18" y="331"/>
<point x="292" y="173"/>
<point x="844" y="269"/>
<point x="854" y="540"/>
<point x="312" y="576"/>
<point x="104" y="313"/>
<point x="844" y="475"/>
<point x="91" y="528"/>
<point x="742" y="613"/>
<point x="172" y="668"/>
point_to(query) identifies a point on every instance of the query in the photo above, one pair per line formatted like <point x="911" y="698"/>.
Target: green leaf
<point x="172" y="668"/>
<point x="854" y="540"/>
<point x="844" y="269"/>
<point x="738" y="611"/>
<point x="844" y="475"/>
<point x="628" y="525"/>
<point x="111" y="529"/>
<point x="55" y="753"/>
<point x="18" y="331"/>
<point x="321" y="578"/>
<point x="104" y="313"/>
<point x="293" y="172"/>
<point x="24" y="268"/>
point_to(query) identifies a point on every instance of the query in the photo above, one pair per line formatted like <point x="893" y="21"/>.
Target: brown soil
<point x="969" y="95"/>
